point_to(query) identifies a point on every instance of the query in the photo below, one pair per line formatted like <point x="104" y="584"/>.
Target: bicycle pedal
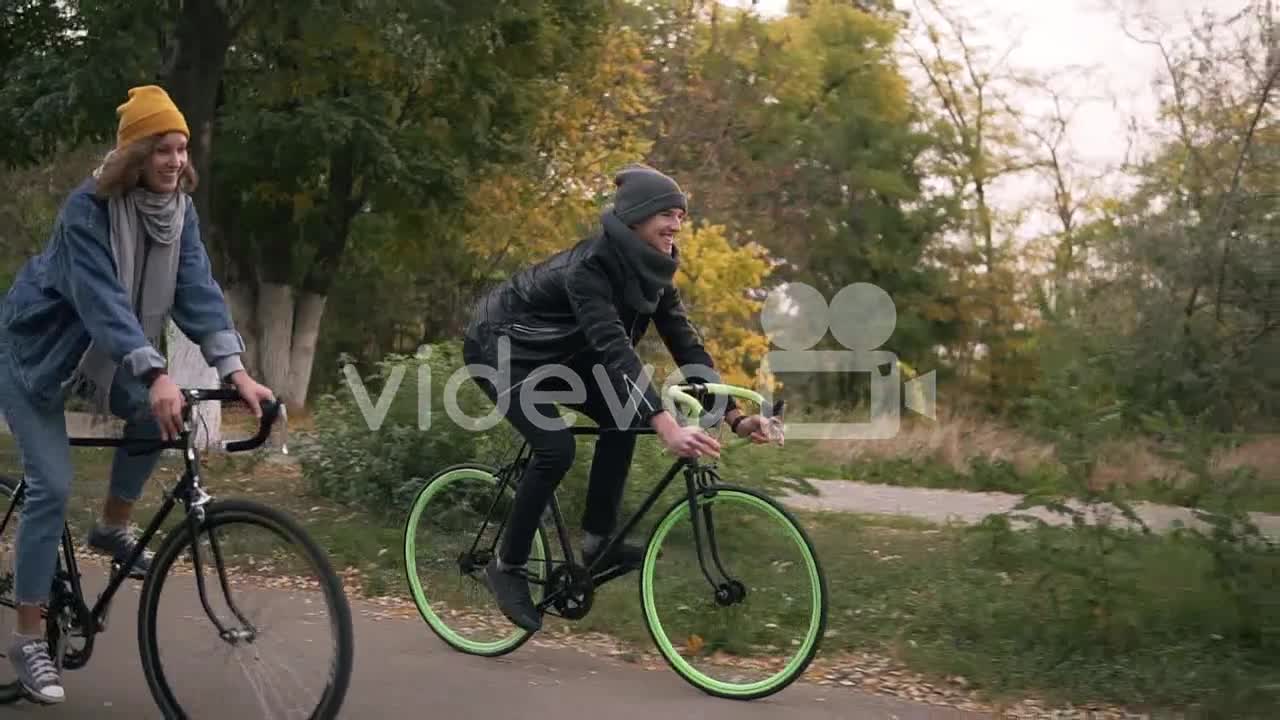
<point x="133" y="574"/>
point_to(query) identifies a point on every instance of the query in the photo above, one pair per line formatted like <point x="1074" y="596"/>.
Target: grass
<point x="1142" y="622"/>
<point x="1170" y="621"/>
<point x="964" y="453"/>
<point x="1071" y="616"/>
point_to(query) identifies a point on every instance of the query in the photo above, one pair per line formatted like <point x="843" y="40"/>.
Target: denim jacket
<point x="69" y="294"/>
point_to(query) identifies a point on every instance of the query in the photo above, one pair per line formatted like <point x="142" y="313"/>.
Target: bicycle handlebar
<point x="687" y="395"/>
<point x="271" y="411"/>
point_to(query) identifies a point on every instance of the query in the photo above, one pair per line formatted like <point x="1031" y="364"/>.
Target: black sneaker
<point x="624" y="554"/>
<point x="511" y="589"/>
<point x="118" y="543"/>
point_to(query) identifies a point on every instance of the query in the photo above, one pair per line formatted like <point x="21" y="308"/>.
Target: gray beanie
<point x="644" y="192"/>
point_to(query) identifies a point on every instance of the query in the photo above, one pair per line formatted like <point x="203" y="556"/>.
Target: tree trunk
<point x="275" y="315"/>
<point x="306" y="330"/>
<point x="281" y="328"/>
<point x="193" y="72"/>
<point x="243" y="302"/>
<point x="187" y="368"/>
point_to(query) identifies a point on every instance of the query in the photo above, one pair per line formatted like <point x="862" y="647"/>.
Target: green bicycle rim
<point x="804" y="654"/>
<point x="441" y="628"/>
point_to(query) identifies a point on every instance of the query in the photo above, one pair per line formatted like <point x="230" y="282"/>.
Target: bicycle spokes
<point x="267" y="628"/>
<point x="450" y="536"/>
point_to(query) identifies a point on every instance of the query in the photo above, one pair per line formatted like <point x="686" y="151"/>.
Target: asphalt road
<point x="403" y="671"/>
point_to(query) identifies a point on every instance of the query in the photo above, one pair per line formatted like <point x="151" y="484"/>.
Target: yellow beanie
<point x="147" y="112"/>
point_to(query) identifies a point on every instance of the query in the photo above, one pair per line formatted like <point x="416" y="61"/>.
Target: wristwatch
<point x="149" y="377"/>
<point x="733" y="424"/>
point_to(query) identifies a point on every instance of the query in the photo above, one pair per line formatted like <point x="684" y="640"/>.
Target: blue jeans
<point x="41" y="433"/>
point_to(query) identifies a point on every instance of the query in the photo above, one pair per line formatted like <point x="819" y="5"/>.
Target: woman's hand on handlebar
<point x="166" y="406"/>
<point x="251" y="391"/>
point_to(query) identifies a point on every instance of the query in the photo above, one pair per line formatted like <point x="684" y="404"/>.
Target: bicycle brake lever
<point x="776" y="432"/>
<point x="284" y="429"/>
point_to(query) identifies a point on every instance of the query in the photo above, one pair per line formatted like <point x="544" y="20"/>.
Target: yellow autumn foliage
<point x="588" y="128"/>
<point x="715" y="277"/>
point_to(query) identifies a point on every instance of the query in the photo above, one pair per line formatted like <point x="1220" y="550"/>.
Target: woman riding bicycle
<point x="85" y="317"/>
<point x="582" y="311"/>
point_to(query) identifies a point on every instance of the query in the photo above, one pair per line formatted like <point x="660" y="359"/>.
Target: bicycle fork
<point x="195" y="498"/>
<point x="700" y="480"/>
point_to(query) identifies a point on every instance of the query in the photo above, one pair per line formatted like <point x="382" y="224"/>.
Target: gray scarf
<point x="144" y="234"/>
<point x="651" y="270"/>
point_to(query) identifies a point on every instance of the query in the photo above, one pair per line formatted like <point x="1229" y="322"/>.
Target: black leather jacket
<point x="570" y="305"/>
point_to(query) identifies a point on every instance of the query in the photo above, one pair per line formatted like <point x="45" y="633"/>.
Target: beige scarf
<point x="145" y="232"/>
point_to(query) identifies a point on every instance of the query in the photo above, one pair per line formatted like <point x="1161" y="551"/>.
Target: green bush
<point x="379" y="467"/>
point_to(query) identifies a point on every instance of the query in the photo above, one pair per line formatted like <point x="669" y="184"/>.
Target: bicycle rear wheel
<point x="276" y="594"/>
<point x="10" y="690"/>
<point x="755" y="629"/>
<point x="445" y="553"/>
<point x="69" y="646"/>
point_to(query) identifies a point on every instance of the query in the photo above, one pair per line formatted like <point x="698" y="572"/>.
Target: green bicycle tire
<point x="818" y="585"/>
<point x="438" y="624"/>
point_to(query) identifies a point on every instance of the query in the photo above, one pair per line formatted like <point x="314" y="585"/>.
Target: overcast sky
<point x="1052" y="35"/>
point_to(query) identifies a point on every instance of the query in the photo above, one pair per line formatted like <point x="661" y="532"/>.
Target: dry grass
<point x="1261" y="453"/>
<point x="953" y="440"/>
<point x="959" y="437"/>
<point x="1134" y="461"/>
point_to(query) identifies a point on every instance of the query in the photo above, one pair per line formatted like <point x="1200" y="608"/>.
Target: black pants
<point x="553" y="451"/>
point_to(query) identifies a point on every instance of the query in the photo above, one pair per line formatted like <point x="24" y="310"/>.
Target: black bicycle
<point x="255" y="558"/>
<point x="731" y="591"/>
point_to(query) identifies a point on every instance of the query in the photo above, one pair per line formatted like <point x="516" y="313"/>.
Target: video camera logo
<point x="861" y="317"/>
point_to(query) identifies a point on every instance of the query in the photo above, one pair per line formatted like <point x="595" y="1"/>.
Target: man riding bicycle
<point x="86" y="317"/>
<point x="584" y="310"/>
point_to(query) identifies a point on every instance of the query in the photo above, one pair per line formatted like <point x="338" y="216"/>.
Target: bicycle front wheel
<point x="733" y="595"/>
<point x="263" y="629"/>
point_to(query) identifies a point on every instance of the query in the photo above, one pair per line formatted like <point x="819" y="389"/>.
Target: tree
<point x="1192" y="250"/>
<point x="66" y="66"/>
<point x="800" y="134"/>
<point x="712" y="277"/>
<point x="338" y="113"/>
<point x="978" y="146"/>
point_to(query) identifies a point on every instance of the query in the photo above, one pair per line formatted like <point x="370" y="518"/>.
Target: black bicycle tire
<point x="12" y="692"/>
<point x="220" y="512"/>
<point x="540" y="533"/>
<point x="799" y="530"/>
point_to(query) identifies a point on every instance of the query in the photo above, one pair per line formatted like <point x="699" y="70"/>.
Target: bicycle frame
<point x="188" y="491"/>
<point x="700" y="480"/>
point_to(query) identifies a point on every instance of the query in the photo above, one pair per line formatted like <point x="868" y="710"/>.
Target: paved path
<point x="963" y="506"/>
<point x="402" y="671"/>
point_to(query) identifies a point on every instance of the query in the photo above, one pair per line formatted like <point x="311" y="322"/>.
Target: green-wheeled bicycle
<point x="731" y="589"/>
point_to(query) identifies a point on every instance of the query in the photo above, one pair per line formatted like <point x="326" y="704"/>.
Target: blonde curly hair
<point x="121" y="169"/>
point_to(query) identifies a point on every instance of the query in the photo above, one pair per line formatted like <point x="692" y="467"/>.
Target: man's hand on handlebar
<point x="687" y="441"/>
<point x="754" y="428"/>
<point x="251" y="391"/>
